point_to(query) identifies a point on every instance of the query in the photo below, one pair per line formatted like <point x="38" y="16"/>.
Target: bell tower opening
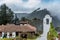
<point x="47" y="21"/>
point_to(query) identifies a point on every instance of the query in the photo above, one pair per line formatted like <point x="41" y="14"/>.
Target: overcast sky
<point x="29" y="5"/>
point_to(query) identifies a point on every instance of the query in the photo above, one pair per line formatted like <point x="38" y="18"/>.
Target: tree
<point x="6" y="14"/>
<point x="16" y="20"/>
<point x="23" y="19"/>
<point x="57" y="28"/>
<point x="35" y="19"/>
<point x="52" y="33"/>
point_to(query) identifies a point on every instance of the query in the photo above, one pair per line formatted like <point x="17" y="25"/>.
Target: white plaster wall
<point x="7" y="34"/>
<point x="13" y="34"/>
<point x="2" y="34"/>
<point x="46" y="28"/>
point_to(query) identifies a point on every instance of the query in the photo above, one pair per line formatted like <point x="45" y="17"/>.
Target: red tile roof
<point x="17" y="28"/>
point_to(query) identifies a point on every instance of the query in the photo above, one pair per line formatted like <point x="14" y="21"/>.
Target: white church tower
<point x="46" y="26"/>
<point x="46" y="23"/>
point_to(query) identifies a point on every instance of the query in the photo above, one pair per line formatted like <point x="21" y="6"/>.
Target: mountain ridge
<point x="40" y="14"/>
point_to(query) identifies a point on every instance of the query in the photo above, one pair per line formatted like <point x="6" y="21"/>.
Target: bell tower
<point x="46" y="26"/>
<point x="46" y="23"/>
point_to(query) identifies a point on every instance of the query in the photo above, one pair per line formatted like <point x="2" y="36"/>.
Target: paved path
<point x="41" y="38"/>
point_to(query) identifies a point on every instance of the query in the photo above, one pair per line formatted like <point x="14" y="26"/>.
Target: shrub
<point x="52" y="34"/>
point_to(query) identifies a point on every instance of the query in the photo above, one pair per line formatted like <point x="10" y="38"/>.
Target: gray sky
<point x="29" y="5"/>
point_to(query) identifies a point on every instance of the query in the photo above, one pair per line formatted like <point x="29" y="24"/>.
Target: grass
<point x="12" y="39"/>
<point x="31" y="39"/>
<point x="6" y="39"/>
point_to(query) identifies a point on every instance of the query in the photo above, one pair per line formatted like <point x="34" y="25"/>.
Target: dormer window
<point x="23" y="23"/>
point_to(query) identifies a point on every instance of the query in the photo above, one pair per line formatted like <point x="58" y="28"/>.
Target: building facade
<point x="12" y="30"/>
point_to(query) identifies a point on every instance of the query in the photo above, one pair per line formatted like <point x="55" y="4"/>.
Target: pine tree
<point x="6" y="14"/>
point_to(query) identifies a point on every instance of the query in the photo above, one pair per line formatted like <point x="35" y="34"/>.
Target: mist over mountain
<point x="40" y="14"/>
<point x="20" y="15"/>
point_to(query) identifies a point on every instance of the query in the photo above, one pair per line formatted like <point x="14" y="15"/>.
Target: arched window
<point x="47" y="21"/>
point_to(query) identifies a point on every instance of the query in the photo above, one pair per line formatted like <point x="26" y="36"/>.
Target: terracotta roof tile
<point x="16" y="28"/>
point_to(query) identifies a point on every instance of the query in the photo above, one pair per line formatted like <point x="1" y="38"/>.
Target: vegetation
<point x="24" y="19"/>
<point x="6" y="39"/>
<point x="6" y="14"/>
<point x="57" y="28"/>
<point x="52" y="34"/>
<point x="15" y="39"/>
<point x="16" y="20"/>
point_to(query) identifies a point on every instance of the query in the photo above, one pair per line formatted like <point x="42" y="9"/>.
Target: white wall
<point x="8" y="34"/>
<point x="2" y="34"/>
<point x="13" y="34"/>
<point x="46" y="27"/>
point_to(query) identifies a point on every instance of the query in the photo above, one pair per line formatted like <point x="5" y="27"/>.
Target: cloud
<point x="53" y="6"/>
<point x="19" y="5"/>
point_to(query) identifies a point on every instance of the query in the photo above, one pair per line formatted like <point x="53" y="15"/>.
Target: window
<point x="47" y="21"/>
<point x="5" y="35"/>
<point x="10" y="34"/>
<point x="17" y="34"/>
